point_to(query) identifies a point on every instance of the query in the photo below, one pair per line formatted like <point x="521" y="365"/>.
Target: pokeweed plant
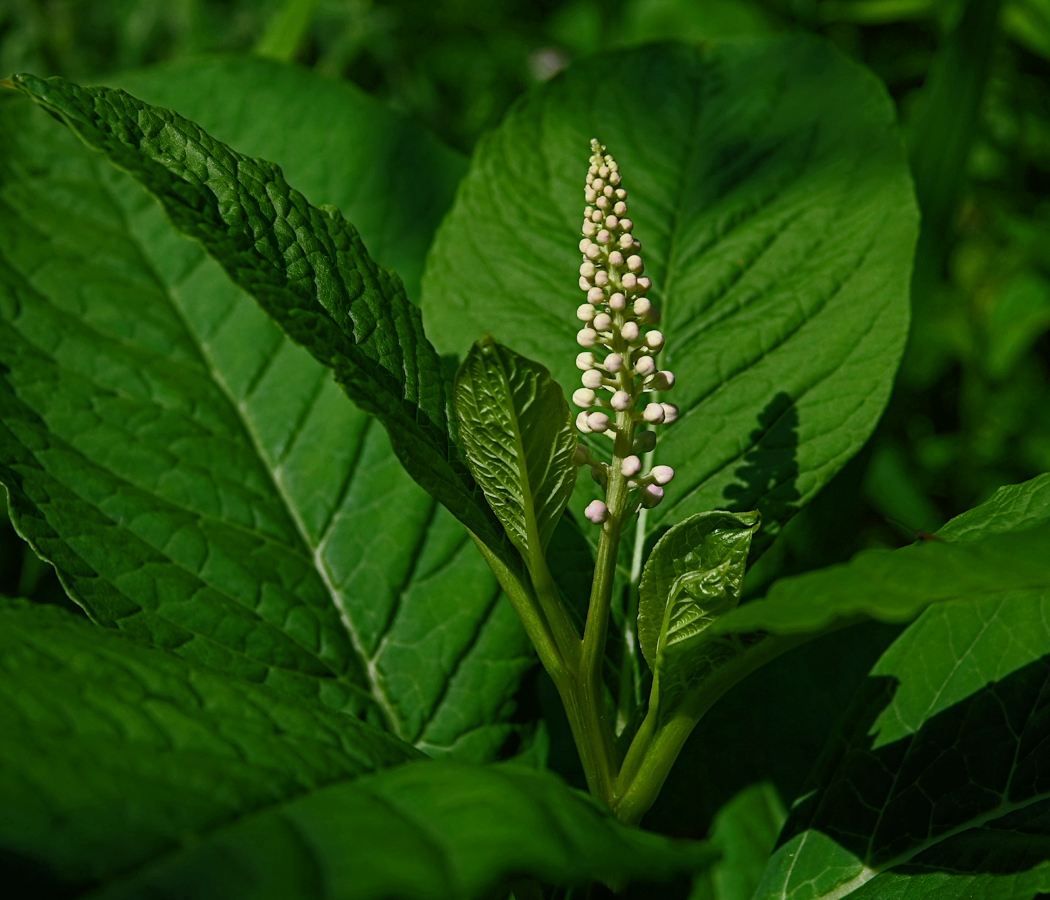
<point x="298" y="672"/>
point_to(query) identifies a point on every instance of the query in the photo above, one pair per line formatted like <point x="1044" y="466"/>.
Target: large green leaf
<point x="770" y="192"/>
<point x="519" y="439"/>
<point x="113" y="754"/>
<point x="942" y="782"/>
<point x="197" y="479"/>
<point x="307" y="268"/>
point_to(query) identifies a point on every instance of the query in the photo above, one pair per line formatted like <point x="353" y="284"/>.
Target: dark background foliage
<point x="971" y="408"/>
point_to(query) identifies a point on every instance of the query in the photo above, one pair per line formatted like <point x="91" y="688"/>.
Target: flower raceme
<point x="618" y="362"/>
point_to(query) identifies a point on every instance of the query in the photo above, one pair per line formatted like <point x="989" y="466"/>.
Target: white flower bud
<point x="644" y="283"/>
<point x="587" y="210"/>
<point x="644" y="442"/>
<point x="614" y="178"/>
<point x="585" y="360"/>
<point x="631" y="466"/>
<point x="584" y="244"/>
<point x="594" y="251"/>
<point x="645" y="366"/>
<point x="620" y="401"/>
<point x="617" y="302"/>
<point x="603" y="237"/>
<point x="592" y="378"/>
<point x="607" y="190"/>
<point x="602" y="322"/>
<point x="621" y="194"/>
<point x="596" y="216"/>
<point x="581" y="455"/>
<point x="629" y="332"/>
<point x="585" y="312"/>
<point x="583" y="397"/>
<point x="597" y="184"/>
<point x="634" y="263"/>
<point x="585" y="284"/>
<point x="653" y="414"/>
<point x="629" y="280"/>
<point x="595" y="295"/>
<point x="589" y="229"/>
<point x="620" y="208"/>
<point x="670" y="412"/>
<point x="641" y="307"/>
<point x="592" y="171"/>
<point x="651" y="495"/>
<point x="602" y="202"/>
<point x="613" y="363"/>
<point x="654" y="340"/>
<point x="662" y="381"/>
<point x="601" y="278"/>
<point x="626" y="224"/>
<point x="590" y="195"/>
<point x="587" y="270"/>
<point x="596" y="512"/>
<point x="603" y="171"/>
<point x="599" y="421"/>
<point x="616" y="258"/>
<point x="587" y="337"/>
<point x="611" y="222"/>
<point x="581" y="423"/>
<point x="662" y="474"/>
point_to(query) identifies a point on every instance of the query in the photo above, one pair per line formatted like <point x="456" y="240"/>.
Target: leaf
<point x="198" y="480"/>
<point x="693" y="575"/>
<point x="1011" y="508"/>
<point x="745" y="830"/>
<point x="519" y="439"/>
<point x="434" y="830"/>
<point x="939" y="784"/>
<point x="113" y="754"/>
<point x="306" y="267"/>
<point x="771" y="195"/>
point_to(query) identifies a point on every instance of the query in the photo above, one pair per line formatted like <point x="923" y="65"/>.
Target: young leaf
<point x="770" y="191"/>
<point x="693" y="576"/>
<point x="519" y="438"/>
<point x="111" y="753"/>
<point x="1011" y="508"/>
<point x="198" y="480"/>
<point x="939" y="784"/>
<point x="305" y="266"/>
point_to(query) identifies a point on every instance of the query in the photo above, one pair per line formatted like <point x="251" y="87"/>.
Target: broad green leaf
<point x="307" y="268"/>
<point x="895" y="586"/>
<point x="113" y="754"/>
<point x="940" y="783"/>
<point x="198" y="480"/>
<point x="693" y="576"/>
<point x="519" y="439"/>
<point x="1014" y="507"/>
<point x="745" y="830"/>
<point x="771" y="195"/>
<point x="433" y="831"/>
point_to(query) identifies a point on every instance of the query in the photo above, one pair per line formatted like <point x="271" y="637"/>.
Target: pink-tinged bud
<point x="602" y="322"/>
<point x="584" y="244"/>
<point x="620" y="208"/>
<point x="670" y="413"/>
<point x="629" y="332"/>
<point x="603" y="237"/>
<point x="631" y="466"/>
<point x="620" y="401"/>
<point x="602" y="202"/>
<point x="583" y="397"/>
<point x="654" y="340"/>
<point x="590" y="195"/>
<point x="594" y="251"/>
<point x="626" y="225"/>
<point x="644" y="442"/>
<point x="587" y="270"/>
<point x="587" y="337"/>
<point x="641" y="307"/>
<point x="596" y="295"/>
<point x="596" y="512"/>
<point x="596" y="216"/>
<point x="651" y="495"/>
<point x="644" y="283"/>
<point x="617" y="302"/>
<point x="626" y="241"/>
<point x="653" y="414"/>
<point x="611" y="222"/>
<point x="621" y="194"/>
<point x="616" y="259"/>
<point x="585" y="312"/>
<point x="662" y="381"/>
<point x="601" y="278"/>
<point x="598" y="421"/>
<point x="589" y="229"/>
<point x="597" y="184"/>
<point x="634" y="263"/>
<point x="585" y="284"/>
<point x="607" y="190"/>
<point x="614" y="178"/>
<point x="629" y="281"/>
<point x="645" y="366"/>
<point x="581" y="423"/>
<point x="581" y="455"/>
<point x="587" y="210"/>
<point x="613" y="363"/>
<point x="592" y="378"/>
<point x="585" y="360"/>
<point x="662" y="474"/>
<point x="603" y="171"/>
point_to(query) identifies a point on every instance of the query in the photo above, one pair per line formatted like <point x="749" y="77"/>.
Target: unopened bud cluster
<point x="618" y="365"/>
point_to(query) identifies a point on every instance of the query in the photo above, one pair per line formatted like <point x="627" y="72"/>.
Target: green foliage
<point x="519" y="441"/>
